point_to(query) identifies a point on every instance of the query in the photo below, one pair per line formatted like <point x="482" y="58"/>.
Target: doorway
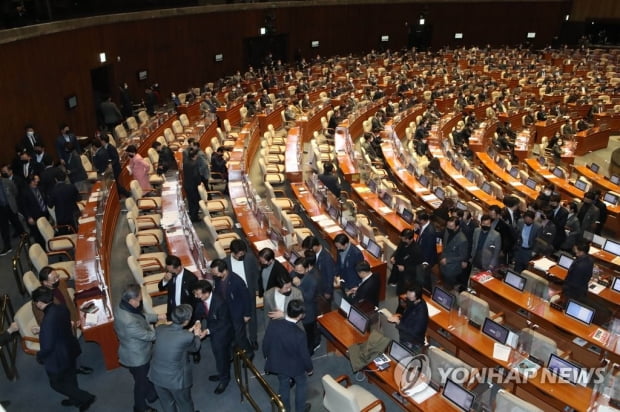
<point x="101" y="83"/>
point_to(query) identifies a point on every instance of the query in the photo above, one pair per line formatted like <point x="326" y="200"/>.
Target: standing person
<point x="454" y="256"/>
<point x="75" y="168"/>
<point x="171" y="371"/>
<point x="136" y="337"/>
<point x="59" y="349"/>
<point x="348" y="257"/>
<point x="214" y="318"/>
<point x="126" y="104"/>
<point x="33" y="206"/>
<point x="231" y="288"/>
<point x="413" y="322"/>
<point x="527" y="232"/>
<point x="111" y="115"/>
<point x="191" y="180"/>
<point x="330" y="180"/>
<point x="286" y="354"/>
<point x="403" y="262"/>
<point x="116" y="164"/>
<point x="427" y="245"/>
<point x="559" y="217"/>
<point x="179" y="283"/>
<point x="63" y="199"/>
<point x="367" y="291"/>
<point x="485" y="247"/>
<point x="66" y="137"/>
<point x="138" y="168"/>
<point x="276" y="299"/>
<point x="306" y="278"/>
<point x="245" y="265"/>
<point x="579" y="272"/>
<point x="8" y="209"/>
<point x="327" y="269"/>
<point x="271" y="270"/>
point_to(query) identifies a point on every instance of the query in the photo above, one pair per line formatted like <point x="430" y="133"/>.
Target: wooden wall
<point x="595" y="9"/>
<point x="39" y="72"/>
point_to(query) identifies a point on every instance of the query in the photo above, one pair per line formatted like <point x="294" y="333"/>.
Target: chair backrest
<point x="227" y="126"/>
<point x="37" y="256"/>
<point x="47" y="231"/>
<point x="477" y="309"/>
<point x="153" y="155"/>
<point x="244" y="113"/>
<point x="535" y="284"/>
<point x="270" y="189"/>
<point x="337" y="398"/>
<point x="506" y="401"/>
<point x="136" y="190"/>
<point x="184" y="120"/>
<point x="136" y="269"/>
<point x="537" y="344"/>
<point x="132" y="218"/>
<point x="161" y="139"/>
<point x="443" y="361"/>
<point x="130" y="204"/>
<point x="143" y="116"/>
<point x="147" y="301"/>
<point x="132" y="123"/>
<point x="86" y="164"/>
<point x="169" y="135"/>
<point x="219" y="250"/>
<point x="203" y="193"/>
<point x="211" y="233"/>
<point x="120" y="132"/>
<point x="31" y="281"/>
<point x="132" y="245"/>
<point x="177" y="127"/>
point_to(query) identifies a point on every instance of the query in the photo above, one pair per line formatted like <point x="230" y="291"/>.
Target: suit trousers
<point x="66" y="383"/>
<point x="175" y="400"/>
<point x="221" y="353"/>
<point x="424" y="277"/>
<point x="143" y="389"/>
<point x="301" y="391"/>
<point x="522" y="259"/>
<point x="313" y="337"/>
<point x="6" y="216"/>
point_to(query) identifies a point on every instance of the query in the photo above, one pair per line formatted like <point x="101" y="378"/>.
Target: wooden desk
<point x="344" y="153"/>
<point x="548" y="128"/>
<point x="342" y="335"/>
<point x="513" y="118"/>
<point x="597" y="179"/>
<point x="591" y="139"/>
<point x="515" y="183"/>
<point x="292" y="156"/>
<point x="612" y="120"/>
<point x="273" y="118"/>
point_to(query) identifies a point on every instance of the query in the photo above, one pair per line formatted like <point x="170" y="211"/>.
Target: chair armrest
<point x="216" y="193"/>
<point x="71" y="228"/>
<point x="59" y="252"/>
<point x="49" y="242"/>
<point x="345" y="378"/>
<point x="147" y="218"/>
<point x="64" y="271"/>
<point x="497" y="315"/>
<point x="151" y="235"/>
<point x="151" y="261"/>
<point x="279" y="192"/>
<point x="30" y="339"/>
<point x="143" y="200"/>
<point x="374" y="404"/>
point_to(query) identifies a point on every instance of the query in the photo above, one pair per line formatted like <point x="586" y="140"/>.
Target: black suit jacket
<point x="331" y="182"/>
<point x="187" y="290"/>
<point x="427" y="244"/>
<point x="275" y="270"/>
<point x="59" y="347"/>
<point x="217" y="320"/>
<point x="285" y="349"/>
<point x="559" y="219"/>
<point x="64" y="198"/>
<point x="29" y="205"/>
<point x="368" y="292"/>
<point x="577" y="278"/>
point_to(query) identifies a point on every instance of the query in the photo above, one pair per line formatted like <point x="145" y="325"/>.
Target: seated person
<point x="218" y="163"/>
<point x="330" y="180"/>
<point x="413" y="322"/>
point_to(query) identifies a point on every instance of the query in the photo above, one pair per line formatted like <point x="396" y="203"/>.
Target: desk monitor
<point x="470" y="176"/>
<point x="594" y="167"/>
<point x="612" y="247"/>
<point x="495" y="331"/>
<point x="615" y="285"/>
<point x="351" y="229"/>
<point x="597" y="240"/>
<point x="398" y="352"/>
<point x="460" y="205"/>
<point x="407" y="215"/>
<point x="541" y="160"/>
<point x="531" y="183"/>
<point x="372" y="185"/>
<point x="579" y="311"/>
<point x="387" y="198"/>
<point x="365" y="240"/>
<point x="565" y="261"/>
<point x="292" y="258"/>
<point x="358" y="319"/>
<point x="374" y="249"/>
<point x="566" y="370"/>
<point x="491" y="152"/>
<point x="411" y="168"/>
<point x="614" y="179"/>
<point x="440" y="193"/>
<point x="345" y="307"/>
<point x="423" y="180"/>
<point x="333" y="212"/>
<point x="501" y="162"/>
<point x="515" y="280"/>
<point x="443" y="298"/>
<point x="486" y="188"/>
<point x="459" y="396"/>
<point x="557" y="172"/>
<point x="581" y="185"/>
<point x="514" y="172"/>
<point x="610" y="198"/>
<point x="458" y="165"/>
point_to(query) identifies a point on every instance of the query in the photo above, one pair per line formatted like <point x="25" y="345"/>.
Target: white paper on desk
<point x="192" y="268"/>
<point x="516" y="183"/>
<point x="432" y="310"/>
<point x="595" y="288"/>
<point x="261" y="244"/>
<point x="458" y="176"/>
<point x="318" y="218"/>
<point x="91" y="319"/>
<point x="235" y="185"/>
<point x="363" y="189"/>
<point x="501" y="352"/>
<point x="385" y="210"/>
<point x="280" y="259"/>
<point x="420" y="189"/>
<point x="543" y="264"/>
<point x="472" y="188"/>
<point x="593" y="250"/>
<point x="241" y="201"/>
<point x="429" y="198"/>
<point x="86" y="219"/>
<point x="91" y="239"/>
<point x="332" y="229"/>
<point x="420" y="395"/>
<point x="615" y="260"/>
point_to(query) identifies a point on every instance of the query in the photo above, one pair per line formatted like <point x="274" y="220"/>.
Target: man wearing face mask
<point x="545" y="196"/>
<point x="527" y="232"/>
<point x="404" y="262"/>
<point x="413" y="322"/>
<point x="8" y="209"/>
<point x="50" y="279"/>
<point x="588" y="213"/>
<point x="271" y="269"/>
<point x="40" y="157"/>
<point x="544" y="243"/>
<point x="305" y="277"/>
<point x="486" y="246"/>
<point x="277" y="298"/>
<point x="454" y="255"/>
<point x="348" y="258"/>
<point x="30" y="140"/>
<point x="126" y="104"/>
<point x="136" y="336"/>
<point x="66" y="137"/>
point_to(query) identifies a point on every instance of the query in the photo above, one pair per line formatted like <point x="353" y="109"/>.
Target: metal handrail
<point x="7" y="314"/>
<point x="241" y="361"/>
<point x="18" y="266"/>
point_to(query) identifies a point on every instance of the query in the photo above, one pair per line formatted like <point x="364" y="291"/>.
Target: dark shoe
<point x="254" y="344"/>
<point x="214" y="378"/>
<point x="5" y="251"/>
<point x="84" y="407"/>
<point x="196" y="357"/>
<point x="220" y="388"/>
<point x="84" y="370"/>
<point x="307" y="407"/>
<point x="67" y="402"/>
<point x="291" y="382"/>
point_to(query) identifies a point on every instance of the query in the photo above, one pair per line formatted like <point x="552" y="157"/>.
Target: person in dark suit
<point x="8" y="209"/>
<point x="404" y="262"/>
<point x="212" y="313"/>
<point x="7" y="335"/>
<point x="306" y="277"/>
<point x="543" y="245"/>
<point x="66" y="137"/>
<point x="579" y="272"/>
<point x="33" y="206"/>
<point x="427" y="245"/>
<point x="63" y="199"/>
<point x="40" y="157"/>
<point x="115" y="161"/>
<point x="171" y="372"/>
<point x="232" y="290"/>
<point x="527" y="232"/>
<point x="572" y="228"/>
<point x="191" y="180"/>
<point x="25" y="167"/>
<point x="326" y="268"/>
<point x="179" y="283"/>
<point x="413" y="322"/>
<point x="271" y="269"/>
<point x="367" y="291"/>
<point x="101" y="157"/>
<point x="506" y="232"/>
<point x="286" y="354"/>
<point x="486" y="246"/>
<point x="454" y="256"/>
<point x="59" y="349"/>
<point x="330" y="180"/>
<point x="348" y="258"/>
<point x="30" y="140"/>
<point x="245" y="265"/>
<point x="588" y="213"/>
<point x="111" y="114"/>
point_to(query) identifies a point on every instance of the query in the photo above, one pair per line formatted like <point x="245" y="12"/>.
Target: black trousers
<point x="143" y="389"/>
<point x="6" y="216"/>
<point x="313" y="338"/>
<point x="221" y="352"/>
<point x="65" y="382"/>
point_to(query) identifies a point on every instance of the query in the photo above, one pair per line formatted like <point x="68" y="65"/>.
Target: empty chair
<point x="150" y="282"/>
<point x="497" y="190"/>
<point x="299" y="233"/>
<point x="132" y="123"/>
<point x="153" y="156"/>
<point x="244" y="114"/>
<point x="91" y="173"/>
<point x="506" y="401"/>
<point x="24" y="317"/>
<point x="220" y="223"/>
<point x="31" y="281"/>
<point x="54" y="243"/>
<point x="270" y="175"/>
<point x="149" y="262"/>
<point x="143" y="116"/>
<point x="143" y="203"/>
<point x="213" y="205"/>
<point x="282" y="202"/>
<point x="120" y="133"/>
<point x="442" y="361"/>
<point x="228" y="129"/>
<point x="147" y="302"/>
<point x="184" y="120"/>
<point x="154" y="178"/>
<point x="348" y="398"/>
<point x="39" y="259"/>
<point x="224" y="239"/>
<point x="148" y="237"/>
<point x="177" y="128"/>
<point x="143" y="221"/>
<point x="171" y="139"/>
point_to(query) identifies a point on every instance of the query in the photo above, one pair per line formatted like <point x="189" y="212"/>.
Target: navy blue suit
<point x="368" y="292"/>
<point x="346" y="269"/>
<point x="221" y="333"/>
<point x="327" y="270"/>
<point x="233" y="291"/>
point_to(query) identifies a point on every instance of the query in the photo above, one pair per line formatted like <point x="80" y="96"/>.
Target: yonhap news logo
<point x="412" y="374"/>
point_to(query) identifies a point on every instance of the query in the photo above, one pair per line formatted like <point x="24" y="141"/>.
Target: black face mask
<point x="38" y="151"/>
<point x="55" y="284"/>
<point x="485" y="228"/>
<point x="287" y="293"/>
<point x="242" y="257"/>
<point x="299" y="275"/>
<point x="25" y="161"/>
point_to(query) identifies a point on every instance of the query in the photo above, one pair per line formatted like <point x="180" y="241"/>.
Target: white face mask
<point x="30" y="134"/>
<point x="547" y="192"/>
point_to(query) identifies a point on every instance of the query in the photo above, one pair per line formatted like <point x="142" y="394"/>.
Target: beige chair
<point x="228" y="129"/>
<point x="40" y="259"/>
<point x="496" y="189"/>
<point x="151" y="237"/>
<point x="171" y="139"/>
<point x="283" y="202"/>
<point x="91" y="173"/>
<point x="220" y="223"/>
<point x="132" y="123"/>
<point x="150" y="282"/>
<point x="153" y="156"/>
<point x="149" y="262"/>
<point x="55" y="243"/>
<point x="143" y="203"/>
<point x="244" y="114"/>
<point x="147" y="302"/>
<point x="218" y="205"/>
<point x="31" y="281"/>
<point x="298" y="234"/>
<point x="177" y="128"/>
<point x="24" y="317"/>
<point x="348" y="398"/>
<point x="143" y="221"/>
<point x="506" y="401"/>
<point x="184" y="120"/>
<point x="271" y="174"/>
<point x="120" y="133"/>
<point x="154" y="178"/>
<point x="143" y="116"/>
<point x="224" y="239"/>
<point x="439" y="359"/>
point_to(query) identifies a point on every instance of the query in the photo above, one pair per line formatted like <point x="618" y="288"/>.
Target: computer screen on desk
<point x="558" y="172"/>
<point x="459" y="396"/>
<point x="423" y="180"/>
<point x="515" y="280"/>
<point x="333" y="212"/>
<point x="458" y="165"/>
<point x="495" y="331"/>
<point x="398" y="352"/>
<point x="566" y="370"/>
<point x="292" y="258"/>
<point x="612" y="247"/>
<point x="387" y="198"/>
<point x="439" y="192"/>
<point x="358" y="319"/>
<point x="443" y="298"/>
<point x="541" y="160"/>
<point x="407" y="215"/>
<point x="470" y="176"/>
<point x="486" y="188"/>
<point x="351" y="229"/>
<point x="374" y="249"/>
<point x="514" y="172"/>
<point x="460" y="205"/>
<point x="345" y="307"/>
<point x="614" y="179"/>
<point x="610" y="198"/>
<point x="579" y="311"/>
<point x="501" y="162"/>
<point x="531" y="183"/>
<point x="581" y="185"/>
<point x="565" y="261"/>
<point x="372" y="185"/>
<point x="594" y="167"/>
<point x="615" y="285"/>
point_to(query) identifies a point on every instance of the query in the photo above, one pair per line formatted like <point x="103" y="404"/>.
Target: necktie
<point x="26" y="170"/>
<point x="40" y="200"/>
<point x="206" y="308"/>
